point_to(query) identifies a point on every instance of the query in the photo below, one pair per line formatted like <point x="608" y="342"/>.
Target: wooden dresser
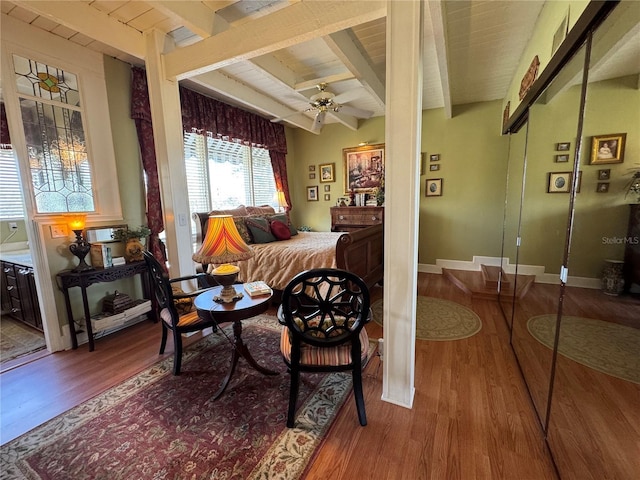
<point x="348" y="219"/>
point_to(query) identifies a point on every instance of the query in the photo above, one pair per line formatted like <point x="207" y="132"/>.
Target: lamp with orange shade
<point x="80" y="247"/>
<point x="222" y="244"/>
<point x="281" y="201"/>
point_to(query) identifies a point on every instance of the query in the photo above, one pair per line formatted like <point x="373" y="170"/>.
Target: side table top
<point x="246" y="307"/>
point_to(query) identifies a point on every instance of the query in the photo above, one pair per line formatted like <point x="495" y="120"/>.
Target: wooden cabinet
<point x="20" y="298"/>
<point x="348" y="219"/>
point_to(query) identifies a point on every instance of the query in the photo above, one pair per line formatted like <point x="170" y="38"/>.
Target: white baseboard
<point x="536" y="270"/>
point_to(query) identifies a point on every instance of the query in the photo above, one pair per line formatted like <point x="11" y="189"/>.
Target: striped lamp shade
<point x="222" y="243"/>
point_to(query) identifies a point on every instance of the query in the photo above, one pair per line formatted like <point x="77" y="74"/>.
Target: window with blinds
<point x="222" y="174"/>
<point x="10" y="193"/>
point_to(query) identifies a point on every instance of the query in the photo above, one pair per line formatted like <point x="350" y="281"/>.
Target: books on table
<point x="257" y="288"/>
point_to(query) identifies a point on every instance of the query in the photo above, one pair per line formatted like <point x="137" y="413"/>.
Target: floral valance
<point x="206" y="115"/>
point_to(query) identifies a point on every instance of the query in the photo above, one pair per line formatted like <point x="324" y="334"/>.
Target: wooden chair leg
<point x="293" y="397"/>
<point x="358" y="394"/>
<point x="177" y="354"/>
<point x="163" y="342"/>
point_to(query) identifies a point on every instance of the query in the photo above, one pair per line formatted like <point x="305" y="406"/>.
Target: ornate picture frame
<point x="607" y="148"/>
<point x="327" y="172"/>
<point x="363" y="168"/>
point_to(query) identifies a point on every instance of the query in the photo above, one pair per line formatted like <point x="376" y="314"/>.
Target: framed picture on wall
<point x="562" y="158"/>
<point x="607" y="148"/>
<point x="363" y="168"/>
<point x="560" y="182"/>
<point x="433" y="187"/>
<point x="312" y="193"/>
<point x="327" y="172"/>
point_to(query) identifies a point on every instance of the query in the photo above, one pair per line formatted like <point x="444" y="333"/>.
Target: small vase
<point x="612" y="277"/>
<point x="133" y="250"/>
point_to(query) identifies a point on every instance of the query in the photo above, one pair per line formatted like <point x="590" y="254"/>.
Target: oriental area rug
<point x="438" y="319"/>
<point x="159" y="426"/>
<point x="603" y="346"/>
<point x="17" y="339"/>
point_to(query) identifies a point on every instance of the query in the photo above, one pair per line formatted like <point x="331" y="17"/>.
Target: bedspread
<point x="277" y="263"/>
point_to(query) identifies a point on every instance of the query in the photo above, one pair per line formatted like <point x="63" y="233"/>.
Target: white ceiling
<point x="268" y="56"/>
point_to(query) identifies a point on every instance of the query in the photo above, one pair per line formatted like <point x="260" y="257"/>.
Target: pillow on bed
<point x="284" y="218"/>
<point x="280" y="230"/>
<point x="260" y="229"/>
<point x="261" y="210"/>
<point x="239" y="211"/>
<point x="242" y="229"/>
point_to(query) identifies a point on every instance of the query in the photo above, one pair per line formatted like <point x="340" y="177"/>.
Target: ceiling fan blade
<point x="318" y="122"/>
<point x="355" y="112"/>
<point x="349" y="95"/>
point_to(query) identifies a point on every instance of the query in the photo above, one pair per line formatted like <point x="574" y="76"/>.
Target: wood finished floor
<point x="471" y="419"/>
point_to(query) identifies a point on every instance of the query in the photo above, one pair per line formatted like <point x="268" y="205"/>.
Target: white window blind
<point x="222" y="175"/>
<point x="10" y="193"/>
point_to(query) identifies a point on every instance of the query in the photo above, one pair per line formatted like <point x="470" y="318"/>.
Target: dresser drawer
<point x="353" y="218"/>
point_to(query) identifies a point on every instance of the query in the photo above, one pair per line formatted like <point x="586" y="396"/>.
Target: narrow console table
<point x="68" y="279"/>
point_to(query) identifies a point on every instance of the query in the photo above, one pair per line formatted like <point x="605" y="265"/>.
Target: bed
<point x="360" y="252"/>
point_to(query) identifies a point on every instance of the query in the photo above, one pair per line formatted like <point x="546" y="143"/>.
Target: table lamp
<point x="223" y="244"/>
<point x="80" y="247"/>
<point x="281" y="200"/>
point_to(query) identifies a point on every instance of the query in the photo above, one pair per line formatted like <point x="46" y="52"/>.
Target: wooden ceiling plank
<point x="439" y="27"/>
<point x="328" y="79"/>
<point x="298" y="23"/>
<point x="196" y="16"/>
<point x="91" y="22"/>
<point x="276" y="70"/>
<point x="343" y="45"/>
<point x="248" y="96"/>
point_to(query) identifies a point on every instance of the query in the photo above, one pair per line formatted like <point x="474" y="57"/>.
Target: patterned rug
<point x="159" y="426"/>
<point x="17" y="339"/>
<point x="604" y="346"/>
<point x="438" y="319"/>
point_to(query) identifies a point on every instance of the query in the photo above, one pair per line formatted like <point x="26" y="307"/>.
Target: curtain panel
<point x="141" y="114"/>
<point x="5" y="139"/>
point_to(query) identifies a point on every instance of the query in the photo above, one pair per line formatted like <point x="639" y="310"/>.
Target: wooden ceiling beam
<point x="343" y="45"/>
<point x="89" y="21"/>
<point x="195" y="16"/>
<point x="439" y="26"/>
<point x="289" y="26"/>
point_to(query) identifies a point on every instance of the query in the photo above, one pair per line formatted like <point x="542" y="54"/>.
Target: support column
<point x="402" y="189"/>
<point x="164" y="96"/>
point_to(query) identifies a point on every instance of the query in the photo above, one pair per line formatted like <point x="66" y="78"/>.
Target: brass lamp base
<point x="228" y="293"/>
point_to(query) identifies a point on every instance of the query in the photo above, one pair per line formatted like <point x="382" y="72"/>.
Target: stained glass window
<point x="52" y="120"/>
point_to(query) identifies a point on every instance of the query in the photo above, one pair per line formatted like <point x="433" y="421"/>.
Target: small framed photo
<point x="560" y="182"/>
<point x="312" y="168"/>
<point x="607" y="148"/>
<point x="433" y="187"/>
<point x="604" y="175"/>
<point x="562" y="158"/>
<point x="327" y="197"/>
<point x="327" y="188"/>
<point x="434" y="157"/>
<point x="327" y="172"/>
<point x="563" y="146"/>
<point x="603" y="187"/>
<point x="434" y="168"/>
<point x="312" y="193"/>
<point x="312" y="176"/>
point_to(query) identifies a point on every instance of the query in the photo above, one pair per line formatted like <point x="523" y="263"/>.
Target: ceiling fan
<point x="325" y="101"/>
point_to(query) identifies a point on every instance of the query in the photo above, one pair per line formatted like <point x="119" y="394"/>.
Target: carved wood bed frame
<point x="360" y="251"/>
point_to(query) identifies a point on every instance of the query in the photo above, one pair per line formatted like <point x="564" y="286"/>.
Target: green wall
<point x="466" y="220"/>
<point x="19" y="236"/>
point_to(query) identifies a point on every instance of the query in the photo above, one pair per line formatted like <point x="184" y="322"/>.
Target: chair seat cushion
<point x="190" y="318"/>
<point x="334" y="356"/>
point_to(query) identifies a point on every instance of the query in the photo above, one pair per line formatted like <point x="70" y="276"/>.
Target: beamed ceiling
<point x="269" y="56"/>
